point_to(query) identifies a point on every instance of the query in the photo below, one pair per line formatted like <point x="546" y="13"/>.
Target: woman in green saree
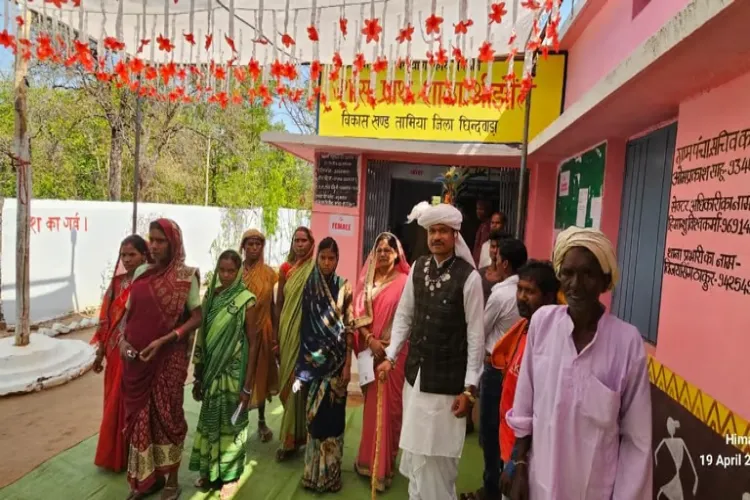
<point x="223" y="379"/>
<point x="292" y="279"/>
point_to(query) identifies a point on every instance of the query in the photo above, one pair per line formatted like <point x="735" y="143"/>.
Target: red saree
<point x="375" y="307"/>
<point x="153" y="391"/>
<point x="111" y="449"/>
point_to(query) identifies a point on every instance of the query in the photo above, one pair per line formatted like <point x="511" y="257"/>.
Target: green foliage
<point x="71" y="132"/>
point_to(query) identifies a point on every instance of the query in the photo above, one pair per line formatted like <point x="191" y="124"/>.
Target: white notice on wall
<point x="564" y="183"/>
<point x="341" y="225"/>
<point x="583" y="202"/>
<point x="596" y="212"/>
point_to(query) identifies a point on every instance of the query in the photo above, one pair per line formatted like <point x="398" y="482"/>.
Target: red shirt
<point x="506" y="356"/>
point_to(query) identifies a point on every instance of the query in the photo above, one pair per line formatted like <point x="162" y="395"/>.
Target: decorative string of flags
<point x="216" y="52"/>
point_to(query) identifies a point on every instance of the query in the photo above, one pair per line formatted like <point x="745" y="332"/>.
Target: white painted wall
<point x="71" y="269"/>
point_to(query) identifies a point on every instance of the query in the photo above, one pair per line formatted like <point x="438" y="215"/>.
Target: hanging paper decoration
<point x="176" y="70"/>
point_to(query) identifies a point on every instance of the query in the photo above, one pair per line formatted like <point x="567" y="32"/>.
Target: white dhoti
<point x="432" y="440"/>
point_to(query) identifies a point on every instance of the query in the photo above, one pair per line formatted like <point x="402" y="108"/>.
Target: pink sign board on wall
<point x="705" y="311"/>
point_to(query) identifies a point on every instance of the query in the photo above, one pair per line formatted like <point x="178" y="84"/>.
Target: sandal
<point x="229" y="490"/>
<point x="264" y="433"/>
<point x="283" y="455"/>
<point x="474" y="495"/>
<point x="171" y="493"/>
<point x="202" y="483"/>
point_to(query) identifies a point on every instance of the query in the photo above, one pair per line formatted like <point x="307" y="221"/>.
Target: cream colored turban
<point x="593" y="240"/>
<point x="428" y="215"/>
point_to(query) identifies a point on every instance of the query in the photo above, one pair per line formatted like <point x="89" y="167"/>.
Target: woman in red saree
<point x="378" y="292"/>
<point x="111" y="450"/>
<point x="163" y="310"/>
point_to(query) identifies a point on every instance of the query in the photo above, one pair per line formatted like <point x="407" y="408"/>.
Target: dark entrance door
<point x="643" y="229"/>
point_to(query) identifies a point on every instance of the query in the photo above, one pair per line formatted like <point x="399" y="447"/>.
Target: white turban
<point x="428" y="215"/>
<point x="594" y="241"/>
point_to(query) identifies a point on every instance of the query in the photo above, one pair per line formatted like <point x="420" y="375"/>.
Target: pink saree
<point x="374" y="309"/>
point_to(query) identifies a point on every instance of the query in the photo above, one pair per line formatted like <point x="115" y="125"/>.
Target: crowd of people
<point x="562" y="386"/>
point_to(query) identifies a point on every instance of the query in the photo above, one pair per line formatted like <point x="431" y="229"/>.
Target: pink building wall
<point x="350" y="244"/>
<point x="710" y="346"/>
<point x="597" y="47"/>
<point x="540" y="218"/>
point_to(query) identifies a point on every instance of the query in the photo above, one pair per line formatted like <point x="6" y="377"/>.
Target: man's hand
<point x="384" y="368"/>
<point x="461" y="406"/>
<point x="506" y="481"/>
<point x="520" y="487"/>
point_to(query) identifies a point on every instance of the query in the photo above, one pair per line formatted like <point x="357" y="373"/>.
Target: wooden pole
<point x="137" y="160"/>
<point x="22" y="163"/>
<point x="3" y="325"/>
<point x="521" y="212"/>
<point x="208" y="166"/>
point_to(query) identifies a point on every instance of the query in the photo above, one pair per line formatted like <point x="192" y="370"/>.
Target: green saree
<point x="293" y="433"/>
<point x="221" y="357"/>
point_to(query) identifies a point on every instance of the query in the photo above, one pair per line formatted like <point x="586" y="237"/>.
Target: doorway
<point x="392" y="191"/>
<point x="643" y="229"/>
<point x="404" y="195"/>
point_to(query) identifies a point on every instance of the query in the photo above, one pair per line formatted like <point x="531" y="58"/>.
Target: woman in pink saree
<point x="378" y="292"/>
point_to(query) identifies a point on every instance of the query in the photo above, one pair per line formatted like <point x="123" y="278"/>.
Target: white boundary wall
<point x="71" y="268"/>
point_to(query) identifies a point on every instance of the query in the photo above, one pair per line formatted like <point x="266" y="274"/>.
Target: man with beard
<point x="497" y="225"/>
<point x="537" y="286"/>
<point x="582" y="409"/>
<point x="440" y="313"/>
<point x="500" y="314"/>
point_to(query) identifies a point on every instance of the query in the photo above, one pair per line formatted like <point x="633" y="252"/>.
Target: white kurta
<point x="429" y="427"/>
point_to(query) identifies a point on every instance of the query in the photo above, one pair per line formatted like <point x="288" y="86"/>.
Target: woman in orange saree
<point x="260" y="279"/>
<point x="378" y="292"/>
<point x="111" y="449"/>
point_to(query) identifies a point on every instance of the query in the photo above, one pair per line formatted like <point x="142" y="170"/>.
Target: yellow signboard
<point x="488" y="122"/>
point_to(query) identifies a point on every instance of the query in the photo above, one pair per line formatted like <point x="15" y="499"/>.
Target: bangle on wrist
<point x="246" y="392"/>
<point x="520" y="462"/>
<point x="470" y="396"/>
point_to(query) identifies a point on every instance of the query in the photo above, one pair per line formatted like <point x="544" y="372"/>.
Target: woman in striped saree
<point x="293" y="434"/>
<point x="223" y="377"/>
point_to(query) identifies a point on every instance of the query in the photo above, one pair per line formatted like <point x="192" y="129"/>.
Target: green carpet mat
<point x="72" y="474"/>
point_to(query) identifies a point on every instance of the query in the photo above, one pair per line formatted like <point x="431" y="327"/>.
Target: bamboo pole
<point x="137" y="159"/>
<point x="3" y="325"/>
<point x="22" y="162"/>
<point x="521" y="212"/>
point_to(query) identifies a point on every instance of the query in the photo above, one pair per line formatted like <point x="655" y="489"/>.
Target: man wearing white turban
<point x="582" y="409"/>
<point x="440" y="313"/>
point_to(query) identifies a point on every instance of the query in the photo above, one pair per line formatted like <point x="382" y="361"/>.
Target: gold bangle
<point x="472" y="398"/>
